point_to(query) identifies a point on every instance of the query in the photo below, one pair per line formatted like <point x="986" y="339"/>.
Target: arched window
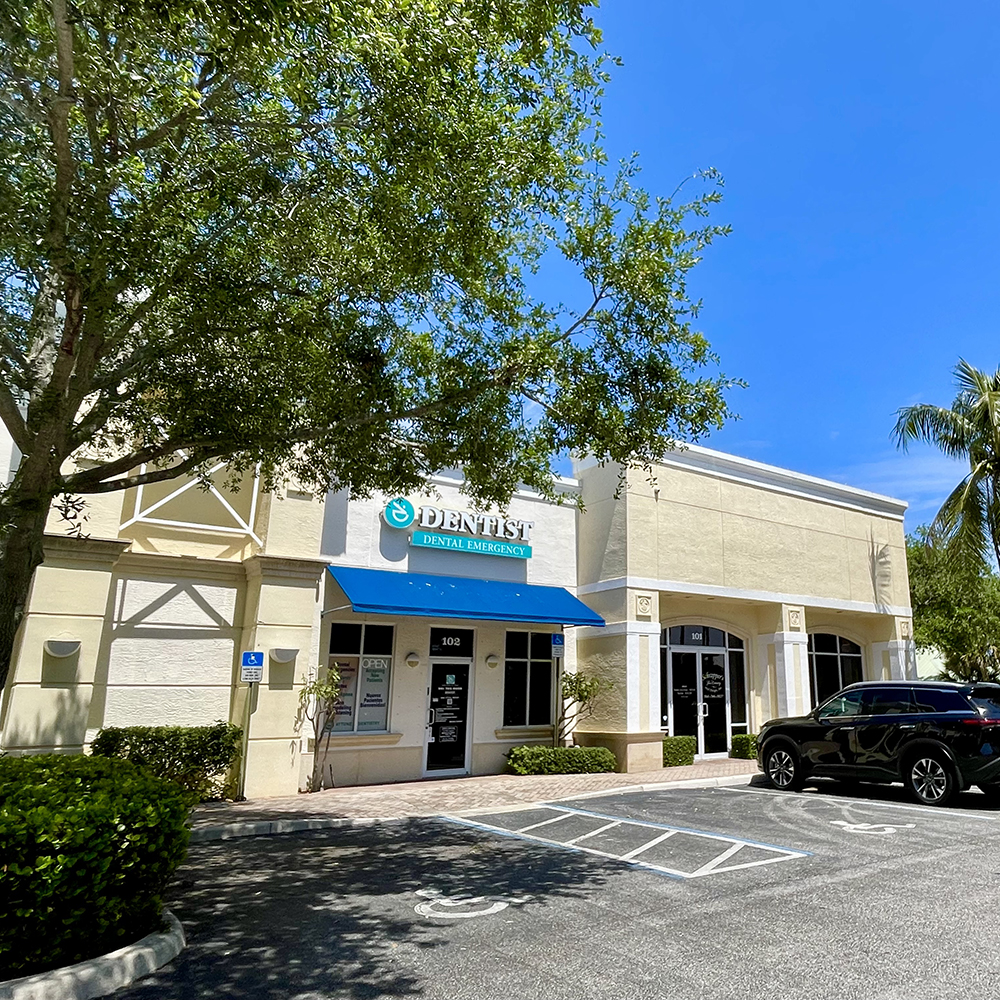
<point x="834" y="662"/>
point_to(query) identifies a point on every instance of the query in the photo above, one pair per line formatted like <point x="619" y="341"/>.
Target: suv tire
<point x="782" y="768"/>
<point x="930" y="778"/>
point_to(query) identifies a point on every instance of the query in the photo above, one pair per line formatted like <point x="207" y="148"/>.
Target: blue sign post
<point x="558" y="645"/>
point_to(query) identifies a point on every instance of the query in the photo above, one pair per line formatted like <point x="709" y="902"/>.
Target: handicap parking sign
<point x="252" y="667"/>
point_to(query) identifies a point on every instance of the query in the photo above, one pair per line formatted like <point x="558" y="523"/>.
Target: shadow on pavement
<point x="310" y="916"/>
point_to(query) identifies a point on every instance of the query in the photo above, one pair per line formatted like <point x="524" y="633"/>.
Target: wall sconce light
<point x="413" y="659"/>
<point x="61" y="647"/>
<point x="492" y="660"/>
<point x="283" y="655"/>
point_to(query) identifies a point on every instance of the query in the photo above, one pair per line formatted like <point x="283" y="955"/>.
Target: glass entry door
<point x="697" y="686"/>
<point x="448" y="718"/>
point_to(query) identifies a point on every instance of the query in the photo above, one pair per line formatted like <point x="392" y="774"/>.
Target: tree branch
<point x="142" y="478"/>
<point x="13" y="421"/>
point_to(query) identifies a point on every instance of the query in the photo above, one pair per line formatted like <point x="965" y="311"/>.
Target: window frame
<point x="554" y="665"/>
<point x="812" y="653"/>
<point x="359" y="656"/>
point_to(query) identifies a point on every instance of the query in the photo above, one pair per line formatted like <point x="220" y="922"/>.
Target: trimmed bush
<point x="201" y="759"/>
<point x="560" y="760"/>
<point x="679" y="750"/>
<point x="87" y="846"/>
<point x="744" y="746"/>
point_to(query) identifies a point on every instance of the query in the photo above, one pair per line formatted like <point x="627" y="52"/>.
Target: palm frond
<point x="963" y="520"/>
<point x="949" y="431"/>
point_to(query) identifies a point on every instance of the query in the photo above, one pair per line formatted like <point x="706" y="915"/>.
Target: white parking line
<point x="593" y="833"/>
<point x="650" y="843"/>
<point x="713" y="866"/>
<point x="544" y="822"/>
<point x="935" y="810"/>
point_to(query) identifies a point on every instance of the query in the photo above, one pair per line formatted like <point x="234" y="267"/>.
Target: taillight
<point x="981" y="722"/>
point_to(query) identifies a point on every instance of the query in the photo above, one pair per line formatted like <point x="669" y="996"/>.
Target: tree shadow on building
<point x="332" y="913"/>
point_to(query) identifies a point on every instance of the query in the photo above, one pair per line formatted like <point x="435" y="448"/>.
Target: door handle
<point x="848" y="729"/>
<point x="909" y="725"/>
<point x="703" y="709"/>
<point x="432" y="716"/>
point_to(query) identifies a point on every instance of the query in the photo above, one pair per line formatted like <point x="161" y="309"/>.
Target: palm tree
<point x="969" y="520"/>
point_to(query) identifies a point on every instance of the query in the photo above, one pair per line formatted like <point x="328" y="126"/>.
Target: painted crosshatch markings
<point x="677" y="852"/>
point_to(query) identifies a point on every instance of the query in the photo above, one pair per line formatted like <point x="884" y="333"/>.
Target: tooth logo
<point x="399" y="513"/>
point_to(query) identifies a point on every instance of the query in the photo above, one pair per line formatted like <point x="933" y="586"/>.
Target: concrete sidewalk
<point x="454" y="795"/>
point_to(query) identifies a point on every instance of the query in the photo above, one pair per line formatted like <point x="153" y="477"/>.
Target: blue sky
<point x="860" y="145"/>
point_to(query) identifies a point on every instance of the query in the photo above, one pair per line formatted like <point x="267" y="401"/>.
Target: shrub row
<point x="679" y="750"/>
<point x="560" y="760"/>
<point x="87" y="846"/>
<point x="744" y="745"/>
<point x="201" y="759"/>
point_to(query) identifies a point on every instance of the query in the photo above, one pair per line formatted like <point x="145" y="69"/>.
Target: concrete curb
<point x="97" y="977"/>
<point x="267" y="828"/>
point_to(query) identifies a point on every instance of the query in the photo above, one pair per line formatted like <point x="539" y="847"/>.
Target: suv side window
<point x="841" y="705"/>
<point x="940" y="700"/>
<point x="887" y="701"/>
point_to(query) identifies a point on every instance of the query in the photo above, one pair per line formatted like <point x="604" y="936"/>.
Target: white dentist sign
<point x="461" y="531"/>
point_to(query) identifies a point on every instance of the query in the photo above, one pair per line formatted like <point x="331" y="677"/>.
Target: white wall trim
<point x="719" y="465"/>
<point x="736" y="593"/>
<point x="618" y="628"/>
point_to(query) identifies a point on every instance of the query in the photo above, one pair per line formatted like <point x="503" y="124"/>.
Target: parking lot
<point x="709" y="893"/>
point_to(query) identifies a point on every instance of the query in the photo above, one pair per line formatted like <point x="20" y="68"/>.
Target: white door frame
<point x="701" y="650"/>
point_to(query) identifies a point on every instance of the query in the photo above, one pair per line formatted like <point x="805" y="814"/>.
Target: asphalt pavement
<point x="685" y="893"/>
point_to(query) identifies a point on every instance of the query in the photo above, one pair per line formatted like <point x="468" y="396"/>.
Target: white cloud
<point x="921" y="477"/>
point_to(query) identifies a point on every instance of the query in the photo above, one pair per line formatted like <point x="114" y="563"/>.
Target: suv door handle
<point x="908" y="725"/>
<point x="848" y="728"/>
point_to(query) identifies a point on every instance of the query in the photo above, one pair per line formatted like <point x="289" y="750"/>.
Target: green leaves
<point x="968" y="523"/>
<point x="200" y="759"/>
<point x="88" y="846"/>
<point x="956" y="609"/>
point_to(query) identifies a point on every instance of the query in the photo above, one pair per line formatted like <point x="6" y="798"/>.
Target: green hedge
<point x="744" y="746"/>
<point x="679" y="750"/>
<point x="200" y="759"/>
<point x="560" y="760"/>
<point x="87" y="846"/>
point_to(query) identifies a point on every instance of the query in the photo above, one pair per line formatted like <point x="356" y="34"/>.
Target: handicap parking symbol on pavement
<point x="879" y="829"/>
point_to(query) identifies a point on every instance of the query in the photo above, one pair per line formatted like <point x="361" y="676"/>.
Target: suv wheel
<point x="783" y="769"/>
<point x="929" y="778"/>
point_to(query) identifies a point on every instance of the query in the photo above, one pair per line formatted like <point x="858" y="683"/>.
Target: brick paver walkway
<point x="453" y="795"/>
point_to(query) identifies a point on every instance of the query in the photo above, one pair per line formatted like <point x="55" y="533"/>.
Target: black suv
<point x="936" y="737"/>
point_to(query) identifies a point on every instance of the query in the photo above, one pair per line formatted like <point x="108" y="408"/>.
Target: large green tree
<point x="968" y="523"/>
<point x="299" y="234"/>
<point x="956" y="609"/>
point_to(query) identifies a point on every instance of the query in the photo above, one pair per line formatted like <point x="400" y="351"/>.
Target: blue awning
<point x="383" y="592"/>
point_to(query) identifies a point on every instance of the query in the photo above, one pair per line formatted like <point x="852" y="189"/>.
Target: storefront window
<point x="834" y="662"/>
<point x="363" y="655"/>
<point x="527" y="689"/>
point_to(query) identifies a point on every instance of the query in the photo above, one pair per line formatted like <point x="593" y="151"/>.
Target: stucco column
<point x="628" y="719"/>
<point x="787" y="657"/>
<point x="281" y="619"/>
<point x="56" y="702"/>
<point x="895" y="660"/>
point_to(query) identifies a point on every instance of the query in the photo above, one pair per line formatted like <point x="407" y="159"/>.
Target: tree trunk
<point x="22" y="530"/>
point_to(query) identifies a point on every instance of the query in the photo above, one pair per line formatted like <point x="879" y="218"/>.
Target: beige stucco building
<point x="716" y="593"/>
<point x="733" y="592"/>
